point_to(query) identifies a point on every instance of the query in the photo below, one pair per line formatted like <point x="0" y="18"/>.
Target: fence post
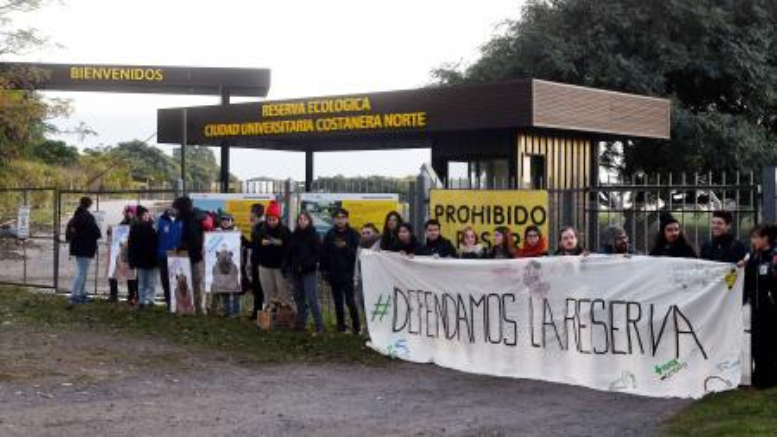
<point x="769" y="193"/>
<point x="419" y="205"/>
<point x="57" y="225"/>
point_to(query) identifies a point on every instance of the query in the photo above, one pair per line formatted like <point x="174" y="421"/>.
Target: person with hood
<point x="192" y="241"/>
<point x="273" y="240"/>
<point x="143" y="246"/>
<point x="257" y="220"/>
<point x="723" y="247"/>
<point x="534" y="244"/>
<point x="615" y="241"/>
<point x="670" y="240"/>
<point x="436" y="245"/>
<point x="82" y="234"/>
<point x="299" y="263"/>
<point x="569" y="243"/>
<point x="469" y="248"/>
<point x="168" y="231"/>
<point x="406" y="244"/>
<point x="503" y="247"/>
<point x="389" y="239"/>
<point x="761" y="292"/>
<point x="128" y="219"/>
<point x="338" y="266"/>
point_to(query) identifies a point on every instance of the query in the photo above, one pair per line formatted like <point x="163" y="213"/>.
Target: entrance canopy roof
<point x="411" y="118"/>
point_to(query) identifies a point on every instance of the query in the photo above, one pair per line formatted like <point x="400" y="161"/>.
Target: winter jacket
<point x="302" y="252"/>
<point x="192" y="238"/>
<point x="410" y="248"/>
<point x="84" y="234"/>
<point x="169" y="235"/>
<point x="271" y="256"/>
<point x="574" y="252"/>
<point x="389" y="241"/>
<point x="440" y="247"/>
<point x="338" y="263"/>
<point x="533" y="251"/>
<point x="760" y="277"/>
<point x="142" y="246"/>
<point x="725" y="249"/>
<point x="256" y="242"/>
<point x="499" y="252"/>
<point x="676" y="250"/>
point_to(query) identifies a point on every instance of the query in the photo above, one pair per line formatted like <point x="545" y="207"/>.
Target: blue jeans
<point x="78" y="293"/>
<point x="306" y="295"/>
<point x="230" y="304"/>
<point x="147" y="286"/>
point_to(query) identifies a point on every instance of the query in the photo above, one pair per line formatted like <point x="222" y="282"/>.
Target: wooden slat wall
<point x="567" y="160"/>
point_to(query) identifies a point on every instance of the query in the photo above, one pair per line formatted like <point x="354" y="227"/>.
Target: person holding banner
<point x="299" y="263"/>
<point x="338" y="263"/>
<point x="169" y="236"/>
<point x="143" y="244"/>
<point x="469" y="248"/>
<point x="436" y="245"/>
<point x="82" y="234"/>
<point x="273" y="241"/>
<point x="761" y="292"/>
<point x="534" y="244"/>
<point x="407" y="243"/>
<point x="503" y="247"/>
<point x="723" y="247"/>
<point x="389" y="240"/>
<point x="670" y="240"/>
<point x="129" y="215"/>
<point x="569" y="243"/>
<point x="192" y="241"/>
<point x="256" y="217"/>
<point x="615" y="241"/>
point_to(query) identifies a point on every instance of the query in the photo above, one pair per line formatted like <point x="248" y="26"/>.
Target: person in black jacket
<point x="273" y="240"/>
<point x="407" y="244"/>
<point x="338" y="264"/>
<point x="143" y="244"/>
<point x="257" y="215"/>
<point x="761" y="292"/>
<point x="723" y="247"/>
<point x="436" y="245"/>
<point x="82" y="233"/>
<point x="670" y="240"/>
<point x="299" y="263"/>
<point x="192" y="242"/>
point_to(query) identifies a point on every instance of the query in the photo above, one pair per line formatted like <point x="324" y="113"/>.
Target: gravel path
<point x="93" y="385"/>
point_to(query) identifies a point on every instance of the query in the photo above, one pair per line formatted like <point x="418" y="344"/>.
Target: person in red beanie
<point x="273" y="240"/>
<point x="534" y="244"/>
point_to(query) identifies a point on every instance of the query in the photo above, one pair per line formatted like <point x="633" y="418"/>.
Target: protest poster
<point x="23" y="223"/>
<point x="485" y="210"/>
<point x="118" y="259"/>
<point x="362" y="208"/>
<point x="181" y="289"/>
<point x="238" y="205"/>
<point x="222" y="262"/>
<point x="662" y="327"/>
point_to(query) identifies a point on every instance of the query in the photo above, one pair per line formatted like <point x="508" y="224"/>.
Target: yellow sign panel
<point x="485" y="210"/>
<point x="238" y="205"/>
<point x="362" y="208"/>
<point x="362" y="212"/>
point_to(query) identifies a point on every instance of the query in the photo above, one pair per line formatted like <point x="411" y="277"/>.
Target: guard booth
<point x="518" y="134"/>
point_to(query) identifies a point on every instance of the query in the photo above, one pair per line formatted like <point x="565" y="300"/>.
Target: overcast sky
<point x="312" y="47"/>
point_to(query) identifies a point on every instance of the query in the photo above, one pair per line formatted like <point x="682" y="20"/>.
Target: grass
<point x="742" y="412"/>
<point x="236" y="337"/>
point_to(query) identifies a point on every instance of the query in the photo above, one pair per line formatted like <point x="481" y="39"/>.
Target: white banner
<point x="659" y="327"/>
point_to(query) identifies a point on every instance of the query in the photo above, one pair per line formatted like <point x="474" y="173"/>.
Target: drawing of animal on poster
<point x="222" y="262"/>
<point x="118" y="260"/>
<point x="182" y="291"/>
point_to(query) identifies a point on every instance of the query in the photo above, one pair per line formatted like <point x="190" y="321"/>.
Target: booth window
<point x="479" y="174"/>
<point x="534" y="176"/>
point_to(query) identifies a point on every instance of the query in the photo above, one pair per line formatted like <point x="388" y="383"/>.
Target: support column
<point x="308" y="170"/>
<point x="769" y="193"/>
<point x="184" y="140"/>
<point x="224" y="149"/>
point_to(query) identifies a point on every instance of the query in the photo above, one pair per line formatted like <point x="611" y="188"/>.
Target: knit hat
<point x="340" y="211"/>
<point x="131" y="209"/>
<point x="273" y="210"/>
<point x="611" y="234"/>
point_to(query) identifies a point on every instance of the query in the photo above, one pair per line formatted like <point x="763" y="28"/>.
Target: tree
<point x="23" y="112"/>
<point x="54" y="153"/>
<point x="715" y="59"/>
<point x="147" y="164"/>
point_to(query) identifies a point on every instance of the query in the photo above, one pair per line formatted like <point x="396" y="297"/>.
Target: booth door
<point x="487" y="174"/>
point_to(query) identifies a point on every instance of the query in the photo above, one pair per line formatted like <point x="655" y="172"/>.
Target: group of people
<point x="284" y="263"/>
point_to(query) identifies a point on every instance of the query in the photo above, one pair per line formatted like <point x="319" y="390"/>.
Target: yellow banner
<point x="362" y="212"/>
<point x="486" y="210"/>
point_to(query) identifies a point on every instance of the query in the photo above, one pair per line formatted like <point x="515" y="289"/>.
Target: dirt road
<point x="94" y="384"/>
